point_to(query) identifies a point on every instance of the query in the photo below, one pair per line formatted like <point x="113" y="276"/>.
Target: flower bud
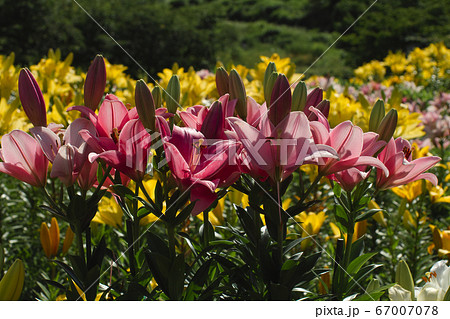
<point x="157" y="97"/>
<point x="68" y="239"/>
<point x="404" y="278"/>
<point x="32" y="99"/>
<point x="271" y="68"/>
<point x="314" y="98"/>
<point x="222" y="81"/>
<point x="213" y="122"/>
<point x="11" y="284"/>
<point x="299" y="97"/>
<point x="268" y="87"/>
<point x="237" y="91"/>
<point x="280" y="102"/>
<point x="388" y="125"/>
<point x="95" y="83"/>
<point x="376" y="116"/>
<point x="172" y="94"/>
<point x="145" y="105"/>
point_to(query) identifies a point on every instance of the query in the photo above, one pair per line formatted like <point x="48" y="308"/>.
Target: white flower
<point x="438" y="282"/>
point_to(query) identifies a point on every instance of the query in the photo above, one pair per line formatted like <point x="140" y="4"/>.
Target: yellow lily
<point x="409" y="191"/>
<point x="359" y="230"/>
<point x="441" y="242"/>
<point x="437" y="194"/>
<point x="311" y="224"/>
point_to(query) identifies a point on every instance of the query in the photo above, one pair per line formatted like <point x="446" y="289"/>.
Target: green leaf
<point x="69" y="271"/>
<point x="367" y="214"/>
<point x="356" y="264"/>
<point x="337" y="190"/>
<point x="341" y="218"/>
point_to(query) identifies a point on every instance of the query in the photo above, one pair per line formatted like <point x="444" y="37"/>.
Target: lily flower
<point x="69" y="155"/>
<point x="354" y="148"/>
<point x="132" y="153"/>
<point x="197" y="166"/>
<point x="437" y="283"/>
<point x="11" y="284"/>
<point x="23" y="158"/>
<point x="402" y="170"/>
<point x="284" y="140"/>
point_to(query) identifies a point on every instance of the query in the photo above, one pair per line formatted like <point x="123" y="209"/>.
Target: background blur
<point x="198" y="32"/>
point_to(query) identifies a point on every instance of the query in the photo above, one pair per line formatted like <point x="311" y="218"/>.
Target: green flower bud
<point x="404" y="278"/>
<point x="271" y="68"/>
<point x="157" y="96"/>
<point x="299" y="97"/>
<point x="388" y="125"/>
<point x="376" y="116"/>
<point x="172" y="94"/>
<point x="145" y="105"/>
<point x="237" y="91"/>
<point x="268" y="87"/>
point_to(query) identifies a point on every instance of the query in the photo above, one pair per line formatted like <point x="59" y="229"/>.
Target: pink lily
<point x="402" y="169"/>
<point x="68" y="154"/>
<point x="353" y="147"/>
<point x="112" y="117"/>
<point x="278" y="150"/>
<point x="32" y="99"/>
<point x="349" y="178"/>
<point x="283" y="141"/>
<point x="23" y="158"/>
<point x="197" y="166"/>
<point x="132" y="152"/>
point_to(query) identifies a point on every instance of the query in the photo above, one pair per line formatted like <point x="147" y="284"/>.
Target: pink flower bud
<point x="95" y="83"/>
<point x="31" y="98"/>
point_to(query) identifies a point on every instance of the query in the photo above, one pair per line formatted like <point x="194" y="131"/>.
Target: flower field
<point x="229" y="184"/>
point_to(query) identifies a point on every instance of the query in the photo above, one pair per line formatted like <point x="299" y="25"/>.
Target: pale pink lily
<point x="402" y="169"/>
<point x="197" y="166"/>
<point x="353" y="147"/>
<point x="67" y="154"/>
<point x="349" y="178"/>
<point x="23" y="158"/>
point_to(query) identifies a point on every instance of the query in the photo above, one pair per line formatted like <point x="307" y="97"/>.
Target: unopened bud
<point x="157" y="96"/>
<point x="404" y="278"/>
<point x="376" y="116"/>
<point x="172" y="94"/>
<point x="213" y="122"/>
<point x="314" y="98"/>
<point x="268" y="87"/>
<point x="237" y="91"/>
<point x="95" y="83"/>
<point x="32" y="99"/>
<point x="299" y="97"/>
<point x="145" y="105"/>
<point x="271" y="68"/>
<point x="280" y="102"/>
<point x="388" y="125"/>
<point x="222" y="81"/>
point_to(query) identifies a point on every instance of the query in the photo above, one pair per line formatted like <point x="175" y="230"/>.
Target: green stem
<point x="310" y="188"/>
<point x="280" y="229"/>
<point x="100" y="184"/>
<point x="171" y="236"/>
<point x="79" y="237"/>
<point x="50" y="199"/>
<point x="206" y="228"/>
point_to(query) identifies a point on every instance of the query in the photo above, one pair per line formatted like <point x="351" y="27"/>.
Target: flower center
<point x="407" y="151"/>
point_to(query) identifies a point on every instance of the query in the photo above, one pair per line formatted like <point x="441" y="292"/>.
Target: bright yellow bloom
<point x="409" y="191"/>
<point x="216" y="215"/>
<point x="109" y="213"/>
<point x="359" y="230"/>
<point x="310" y="224"/>
<point x="379" y="216"/>
<point x="441" y="242"/>
<point x="437" y="194"/>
